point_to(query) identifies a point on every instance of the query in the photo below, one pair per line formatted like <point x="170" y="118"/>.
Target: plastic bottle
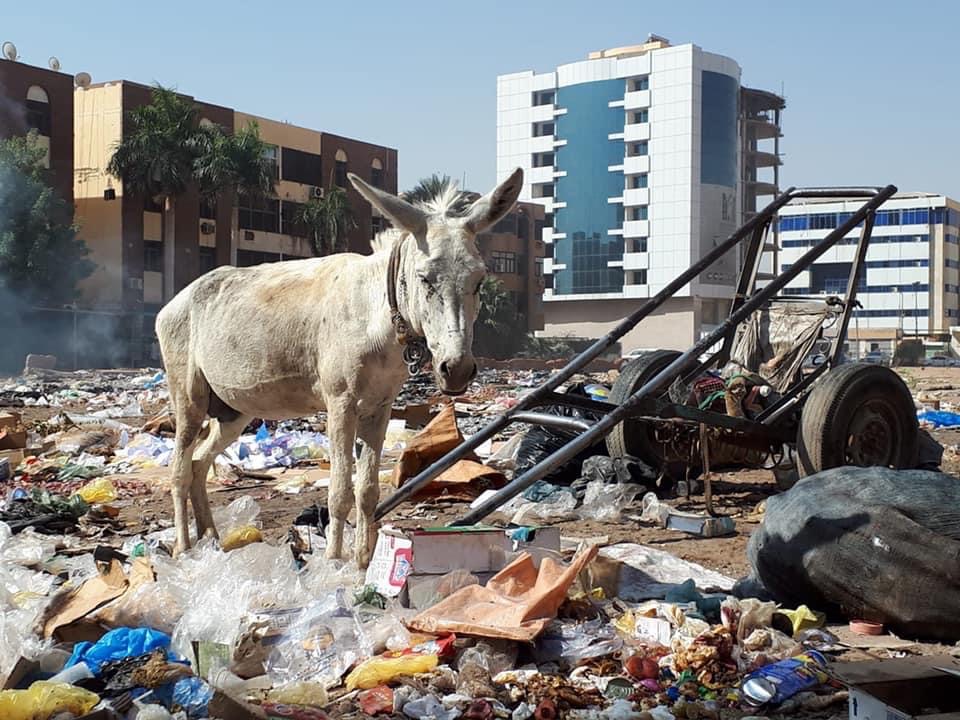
<point x="73" y="674"/>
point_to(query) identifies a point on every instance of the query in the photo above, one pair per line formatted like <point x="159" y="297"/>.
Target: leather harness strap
<point x="415" y="351"/>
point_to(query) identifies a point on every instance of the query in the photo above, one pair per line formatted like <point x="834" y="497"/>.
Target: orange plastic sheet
<point x="465" y="480"/>
<point x="517" y="603"/>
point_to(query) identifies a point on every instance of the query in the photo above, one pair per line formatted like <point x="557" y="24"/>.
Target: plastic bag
<point x="384" y="668"/>
<point x="555" y="507"/>
<point x="299" y="693"/>
<point x="193" y="695"/>
<point x="240" y="536"/>
<point x="573" y="643"/>
<point x="319" y="646"/>
<point x="605" y="502"/>
<point x="45" y="699"/>
<point x="100" y="490"/>
<point x="117" y="645"/>
<point x="429" y="707"/>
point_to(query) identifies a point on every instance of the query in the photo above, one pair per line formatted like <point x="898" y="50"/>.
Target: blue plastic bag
<point x="117" y="645"/>
<point x="193" y="695"/>
<point x="939" y="418"/>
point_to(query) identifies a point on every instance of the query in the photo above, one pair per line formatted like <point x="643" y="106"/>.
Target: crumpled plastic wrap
<point x="572" y="642"/>
<point x="44" y="700"/>
<point x="321" y="644"/>
<point x="605" y="502"/>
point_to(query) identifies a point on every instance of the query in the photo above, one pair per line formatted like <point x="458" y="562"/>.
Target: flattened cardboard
<point x="902" y="689"/>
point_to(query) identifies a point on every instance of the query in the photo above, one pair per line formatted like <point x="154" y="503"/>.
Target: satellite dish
<point x="82" y="80"/>
<point x="54" y="64"/>
<point x="9" y="51"/>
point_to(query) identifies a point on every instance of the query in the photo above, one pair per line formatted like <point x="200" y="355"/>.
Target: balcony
<point x="635" y="164"/>
<point x="636" y="228"/>
<point x="637" y="132"/>
<point x="636" y="196"/>
<point x="540" y="175"/>
<point x="636" y="261"/>
<point x="636" y="100"/>
<point x="544" y="143"/>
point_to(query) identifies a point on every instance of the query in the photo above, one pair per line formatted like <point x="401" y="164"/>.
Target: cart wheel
<point x="635" y="437"/>
<point x="861" y="415"/>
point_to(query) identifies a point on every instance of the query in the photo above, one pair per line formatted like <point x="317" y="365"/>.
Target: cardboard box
<point x="415" y="556"/>
<point x="9" y="420"/>
<point x="903" y="689"/>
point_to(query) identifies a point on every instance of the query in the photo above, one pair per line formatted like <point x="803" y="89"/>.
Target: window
<point x="152" y="204"/>
<point x="208" y="208"/>
<point x="544" y="159"/>
<point x="638" y="148"/>
<point x="289" y="225"/>
<point x="271" y="153"/>
<point x="502" y="262"/>
<point x="538" y="227"/>
<point x="543" y="190"/>
<point x="543" y="129"/>
<point x="340" y="169"/>
<point x="823" y="221"/>
<point x="207" y="259"/>
<point x="638" y="181"/>
<point x="875" y="240"/>
<point x="639" y="277"/>
<point x="639" y="213"/>
<point x="544" y="97"/>
<point x="639" y="244"/>
<point x="639" y="116"/>
<point x="246" y="258"/>
<point x="302" y="167"/>
<point x="376" y="173"/>
<point x="38" y="110"/>
<point x="506" y="224"/>
<point x="260" y="214"/>
<point x="640" y="83"/>
<point x="538" y="267"/>
<point x="152" y="256"/>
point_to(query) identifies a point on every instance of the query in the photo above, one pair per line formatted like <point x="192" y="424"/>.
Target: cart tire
<point x="634" y="437"/>
<point x="861" y="415"/>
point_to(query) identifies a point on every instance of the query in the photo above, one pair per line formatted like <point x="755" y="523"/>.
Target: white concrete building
<point x="636" y="155"/>
<point x="912" y="276"/>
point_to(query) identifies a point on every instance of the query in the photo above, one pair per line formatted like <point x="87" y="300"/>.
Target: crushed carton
<point x="403" y="559"/>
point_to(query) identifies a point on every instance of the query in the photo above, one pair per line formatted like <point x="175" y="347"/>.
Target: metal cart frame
<point x="642" y="403"/>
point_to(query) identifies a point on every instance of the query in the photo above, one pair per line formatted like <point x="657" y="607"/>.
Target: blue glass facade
<point x="588" y="216"/>
<point x="718" y="129"/>
<point x="912" y="216"/>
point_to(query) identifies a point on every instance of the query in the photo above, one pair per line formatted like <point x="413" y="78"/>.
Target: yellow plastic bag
<point x="241" y="536"/>
<point x="803" y="618"/>
<point x="384" y="668"/>
<point x="299" y="693"/>
<point x="45" y="699"/>
<point x="96" y="491"/>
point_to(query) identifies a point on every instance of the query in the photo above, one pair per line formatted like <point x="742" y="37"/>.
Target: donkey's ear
<point x="494" y="205"/>
<point x="401" y="213"/>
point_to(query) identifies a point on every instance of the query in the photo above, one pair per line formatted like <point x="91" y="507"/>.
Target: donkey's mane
<point x="442" y="205"/>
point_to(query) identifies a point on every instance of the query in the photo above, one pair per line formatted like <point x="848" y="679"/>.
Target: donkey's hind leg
<point x="190" y="408"/>
<point x="221" y="434"/>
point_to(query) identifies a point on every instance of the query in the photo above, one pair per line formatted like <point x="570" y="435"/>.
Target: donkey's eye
<point x="425" y="280"/>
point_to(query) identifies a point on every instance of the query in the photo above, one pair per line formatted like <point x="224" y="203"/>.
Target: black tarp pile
<point x="868" y="543"/>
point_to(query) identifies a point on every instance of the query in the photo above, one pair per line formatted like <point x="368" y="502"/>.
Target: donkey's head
<point x="439" y="284"/>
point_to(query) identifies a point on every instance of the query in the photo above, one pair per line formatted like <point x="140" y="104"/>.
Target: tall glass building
<point x="637" y="156"/>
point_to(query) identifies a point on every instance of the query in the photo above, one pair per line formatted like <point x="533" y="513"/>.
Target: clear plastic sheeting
<point x="605" y="502"/>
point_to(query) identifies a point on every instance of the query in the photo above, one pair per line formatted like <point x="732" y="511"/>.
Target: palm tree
<point x="327" y="220"/>
<point x="165" y="151"/>
<point x="435" y="187"/>
<point x="497" y="332"/>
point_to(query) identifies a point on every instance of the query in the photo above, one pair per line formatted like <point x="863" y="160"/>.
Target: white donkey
<point x="293" y="338"/>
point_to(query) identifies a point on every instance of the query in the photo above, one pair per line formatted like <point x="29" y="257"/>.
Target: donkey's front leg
<point x="371" y="428"/>
<point x="342" y="430"/>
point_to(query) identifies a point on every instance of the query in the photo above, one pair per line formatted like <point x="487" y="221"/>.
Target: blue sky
<point x="872" y="87"/>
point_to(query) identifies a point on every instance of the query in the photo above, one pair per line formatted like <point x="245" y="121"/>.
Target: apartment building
<point x="136" y="273"/>
<point x="34" y="98"/>
<point x="911" y="282"/>
<point x="636" y="154"/>
<point x="514" y="250"/>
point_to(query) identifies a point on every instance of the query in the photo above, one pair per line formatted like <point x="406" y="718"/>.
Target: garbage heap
<point x="445" y="623"/>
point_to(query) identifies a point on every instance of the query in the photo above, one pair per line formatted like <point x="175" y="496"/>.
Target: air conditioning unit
<point x="249" y="236"/>
<point x="316" y="192"/>
<point x="208" y="228"/>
